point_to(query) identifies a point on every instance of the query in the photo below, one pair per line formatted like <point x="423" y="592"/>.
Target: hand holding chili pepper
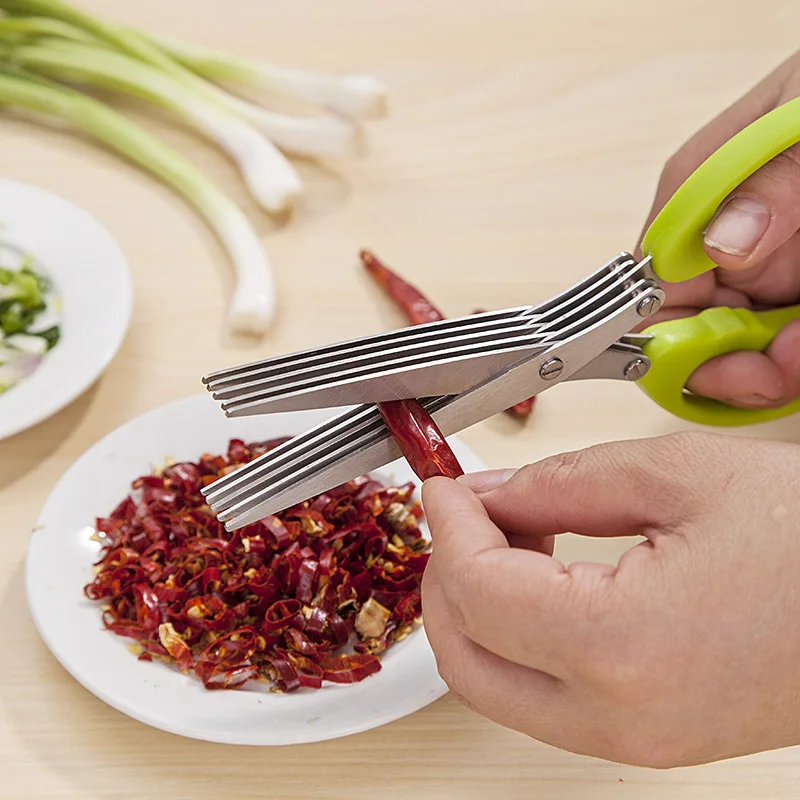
<point x="687" y="651"/>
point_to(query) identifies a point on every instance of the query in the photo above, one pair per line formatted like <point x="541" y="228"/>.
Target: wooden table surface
<point x="523" y="149"/>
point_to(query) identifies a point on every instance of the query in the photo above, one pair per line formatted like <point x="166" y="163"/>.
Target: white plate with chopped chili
<point x="300" y="628"/>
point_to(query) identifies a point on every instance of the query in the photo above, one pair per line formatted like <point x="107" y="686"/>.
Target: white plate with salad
<point x="65" y="304"/>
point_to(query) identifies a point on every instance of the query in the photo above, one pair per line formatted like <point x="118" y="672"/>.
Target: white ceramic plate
<point x="59" y="564"/>
<point x="90" y="276"/>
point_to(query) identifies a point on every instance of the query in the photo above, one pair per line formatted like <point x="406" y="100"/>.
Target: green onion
<point x="51" y="336"/>
<point x="54" y="40"/>
<point x="312" y="136"/>
<point x="23" y="304"/>
<point x="21" y="286"/>
<point x="353" y="96"/>
<point x="15" y="317"/>
<point x="273" y="182"/>
<point x="252" y="305"/>
<point x="22" y="28"/>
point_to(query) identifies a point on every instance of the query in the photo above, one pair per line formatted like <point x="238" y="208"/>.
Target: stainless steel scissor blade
<point x="586" y="345"/>
<point x="442" y="360"/>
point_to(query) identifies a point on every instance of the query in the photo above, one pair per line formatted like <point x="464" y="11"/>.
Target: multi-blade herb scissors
<point x="470" y="368"/>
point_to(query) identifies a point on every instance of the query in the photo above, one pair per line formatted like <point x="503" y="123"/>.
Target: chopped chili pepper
<point x="418" y="309"/>
<point x="278" y="601"/>
<point x="350" y="669"/>
<point x="420" y="440"/>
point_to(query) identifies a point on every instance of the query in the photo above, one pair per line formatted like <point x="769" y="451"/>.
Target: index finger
<point x="519" y="604"/>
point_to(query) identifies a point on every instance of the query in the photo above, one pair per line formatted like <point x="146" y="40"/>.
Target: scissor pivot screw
<point x="648" y="306"/>
<point x="551" y="369"/>
<point x="635" y="369"/>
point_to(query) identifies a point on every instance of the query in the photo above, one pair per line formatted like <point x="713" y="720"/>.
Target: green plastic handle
<point x="680" y="346"/>
<point x="675" y="238"/>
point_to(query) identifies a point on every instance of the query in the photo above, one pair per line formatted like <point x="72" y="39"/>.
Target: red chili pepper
<point x="232" y="678"/>
<point x="281" y="614"/>
<point x="419" y="309"/>
<point x="420" y="440"/>
<point x="277" y="600"/>
<point x="298" y="641"/>
<point x="147" y="611"/>
<point x="305" y="579"/>
<point x="309" y="673"/>
<point x="350" y="669"/>
<point x="284" y="674"/>
<point x="180" y="651"/>
<point x="207" y="614"/>
<point x="413" y="303"/>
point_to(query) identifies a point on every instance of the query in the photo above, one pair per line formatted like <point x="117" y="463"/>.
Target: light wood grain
<point x="523" y="148"/>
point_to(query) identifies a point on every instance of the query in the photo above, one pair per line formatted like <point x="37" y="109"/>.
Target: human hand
<point x="686" y="652"/>
<point x="755" y="241"/>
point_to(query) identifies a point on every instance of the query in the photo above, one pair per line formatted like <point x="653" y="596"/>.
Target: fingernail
<point x="752" y="401"/>
<point x="485" y="481"/>
<point x="739" y="227"/>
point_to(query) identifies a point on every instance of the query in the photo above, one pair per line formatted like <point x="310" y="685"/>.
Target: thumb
<point x="762" y="214"/>
<point x="616" y="489"/>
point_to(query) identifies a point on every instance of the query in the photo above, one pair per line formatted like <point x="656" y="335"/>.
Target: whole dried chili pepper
<point x="418" y="309"/>
<point x="411" y="301"/>
<point x="413" y="429"/>
<point x="420" y="440"/>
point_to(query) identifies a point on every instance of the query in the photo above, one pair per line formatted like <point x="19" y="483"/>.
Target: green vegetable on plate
<point x="28" y="322"/>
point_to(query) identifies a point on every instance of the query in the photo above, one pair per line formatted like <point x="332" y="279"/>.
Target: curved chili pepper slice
<point x="231" y="678"/>
<point x="309" y="673"/>
<point x="281" y="614"/>
<point x="284" y="673"/>
<point x="207" y="614"/>
<point x="175" y="645"/>
<point x="147" y="610"/>
<point x="350" y="668"/>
